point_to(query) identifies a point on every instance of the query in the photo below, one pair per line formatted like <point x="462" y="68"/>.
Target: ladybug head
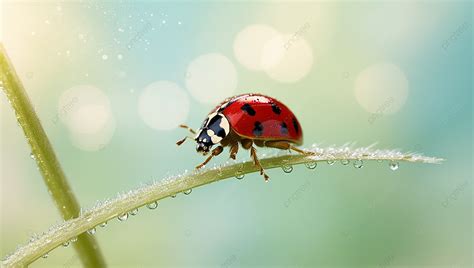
<point x="213" y="130"/>
<point x="204" y="142"/>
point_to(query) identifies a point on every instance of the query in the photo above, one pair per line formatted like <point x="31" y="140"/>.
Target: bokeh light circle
<point x="249" y="44"/>
<point x="210" y="78"/>
<point x="163" y="105"/>
<point x="287" y="58"/>
<point x="87" y="113"/>
<point x="381" y="88"/>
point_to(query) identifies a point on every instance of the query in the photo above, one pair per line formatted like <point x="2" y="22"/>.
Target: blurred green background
<point x="110" y="81"/>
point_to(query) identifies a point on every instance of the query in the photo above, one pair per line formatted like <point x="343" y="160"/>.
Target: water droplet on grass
<point x="103" y="224"/>
<point x="331" y="162"/>
<point x="345" y="161"/>
<point x="91" y="231"/>
<point x="239" y="175"/>
<point x="311" y="165"/>
<point x="358" y="163"/>
<point x="394" y="165"/>
<point x="74" y="239"/>
<point x="188" y="191"/>
<point x="134" y="212"/>
<point x="66" y="244"/>
<point x="173" y="196"/>
<point x="287" y="168"/>
<point x="123" y="217"/>
<point x="45" y="255"/>
<point x="152" y="205"/>
<point x="32" y="156"/>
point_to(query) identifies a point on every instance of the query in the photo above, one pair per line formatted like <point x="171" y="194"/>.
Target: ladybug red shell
<point x="256" y="116"/>
<point x="248" y="119"/>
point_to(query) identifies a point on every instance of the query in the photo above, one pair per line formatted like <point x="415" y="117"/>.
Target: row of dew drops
<point x="287" y="168"/>
<point x="358" y="163"/>
<point x="122" y="217"/>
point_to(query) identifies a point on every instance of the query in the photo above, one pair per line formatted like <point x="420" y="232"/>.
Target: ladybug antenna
<point x="183" y="140"/>
<point x="188" y="128"/>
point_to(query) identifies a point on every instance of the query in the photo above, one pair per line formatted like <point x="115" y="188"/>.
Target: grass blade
<point x="53" y="176"/>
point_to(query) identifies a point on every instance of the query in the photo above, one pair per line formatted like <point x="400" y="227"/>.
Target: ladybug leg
<point x="253" y="154"/>
<point x="301" y="151"/>
<point x="286" y="146"/>
<point x="214" y="152"/>
<point x="247" y="144"/>
<point x="234" y="148"/>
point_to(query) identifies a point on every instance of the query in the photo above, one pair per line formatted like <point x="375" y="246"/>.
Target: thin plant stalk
<point x="121" y="206"/>
<point x="42" y="151"/>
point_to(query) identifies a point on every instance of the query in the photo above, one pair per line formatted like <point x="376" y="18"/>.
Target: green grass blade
<point x="41" y="149"/>
<point x="121" y="205"/>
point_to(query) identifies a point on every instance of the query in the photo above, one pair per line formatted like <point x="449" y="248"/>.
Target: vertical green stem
<point x="41" y="149"/>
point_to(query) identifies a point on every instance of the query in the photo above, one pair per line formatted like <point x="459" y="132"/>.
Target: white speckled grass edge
<point x="153" y="191"/>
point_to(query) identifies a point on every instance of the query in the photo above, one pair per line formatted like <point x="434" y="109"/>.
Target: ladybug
<point x="248" y="120"/>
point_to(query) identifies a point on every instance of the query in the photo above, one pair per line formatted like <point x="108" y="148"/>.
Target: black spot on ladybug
<point x="276" y="109"/>
<point x="248" y="109"/>
<point x="257" y="129"/>
<point x="283" y="128"/>
<point x="295" y="125"/>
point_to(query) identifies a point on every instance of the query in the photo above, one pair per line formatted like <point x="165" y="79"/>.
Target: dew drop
<point x="32" y="156"/>
<point x="134" y="212"/>
<point x="311" y="165"/>
<point x="331" y="162"/>
<point x="188" y="191"/>
<point x="123" y="217"/>
<point x="345" y="161"/>
<point x="152" y="205"/>
<point x="173" y="196"/>
<point x="91" y="231"/>
<point x="74" y="239"/>
<point x="45" y="255"/>
<point x="287" y="168"/>
<point x="66" y="244"/>
<point x="394" y="165"/>
<point x="239" y="175"/>
<point x="103" y="224"/>
<point x="358" y="163"/>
